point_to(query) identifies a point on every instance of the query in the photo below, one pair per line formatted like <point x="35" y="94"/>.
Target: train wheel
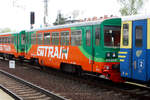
<point x="40" y="64"/>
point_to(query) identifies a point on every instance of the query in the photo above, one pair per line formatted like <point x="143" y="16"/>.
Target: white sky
<point x="18" y="18"/>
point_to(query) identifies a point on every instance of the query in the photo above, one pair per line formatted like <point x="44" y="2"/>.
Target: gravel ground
<point x="70" y="89"/>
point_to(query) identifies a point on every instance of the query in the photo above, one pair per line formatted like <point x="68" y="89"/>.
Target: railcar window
<point x="12" y="39"/>
<point x="40" y="38"/>
<point x="0" y="40"/>
<point x="8" y="39"/>
<point x="33" y="38"/>
<point x="97" y="36"/>
<point x="138" y="36"/>
<point x="16" y="39"/>
<point x="22" y="39"/>
<point x="5" y="39"/>
<point x="64" y="38"/>
<point x="88" y="37"/>
<point x="76" y="38"/>
<point x="46" y="38"/>
<point x="112" y="36"/>
<point x="125" y="34"/>
<point x="55" y="38"/>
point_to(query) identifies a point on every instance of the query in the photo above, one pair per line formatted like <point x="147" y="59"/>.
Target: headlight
<point x="114" y="55"/>
<point x="108" y="55"/>
<point x="107" y="67"/>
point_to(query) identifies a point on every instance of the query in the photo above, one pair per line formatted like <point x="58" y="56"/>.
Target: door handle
<point x="134" y="65"/>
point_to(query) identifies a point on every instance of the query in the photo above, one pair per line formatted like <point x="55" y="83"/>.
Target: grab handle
<point x="135" y="65"/>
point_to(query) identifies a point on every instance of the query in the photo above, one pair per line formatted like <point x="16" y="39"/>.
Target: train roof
<point x="77" y="24"/>
<point x="8" y="33"/>
<point x="135" y="17"/>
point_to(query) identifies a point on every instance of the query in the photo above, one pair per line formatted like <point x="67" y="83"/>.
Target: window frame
<point x="124" y="35"/>
<point x="35" y="38"/>
<point x="88" y="40"/>
<point x="99" y="41"/>
<point x="46" y="39"/>
<point x="68" y="37"/>
<point x="109" y="33"/>
<point x="137" y="40"/>
<point x="37" y="42"/>
<point x="75" y="41"/>
<point x="54" y="43"/>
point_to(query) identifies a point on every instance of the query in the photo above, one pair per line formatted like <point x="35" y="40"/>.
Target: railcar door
<point x="27" y="41"/>
<point x="22" y="41"/>
<point x="88" y="46"/>
<point x="16" y="42"/>
<point x="139" y="50"/>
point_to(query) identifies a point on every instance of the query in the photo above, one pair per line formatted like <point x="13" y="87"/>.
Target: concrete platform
<point x="5" y="96"/>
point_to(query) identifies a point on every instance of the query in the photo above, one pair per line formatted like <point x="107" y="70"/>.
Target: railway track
<point x="25" y="90"/>
<point x="142" y="92"/>
<point x="14" y="96"/>
<point x="137" y="92"/>
<point x="129" y="89"/>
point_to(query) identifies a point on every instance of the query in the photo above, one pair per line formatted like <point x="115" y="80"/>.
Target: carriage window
<point x="22" y="39"/>
<point x="97" y="36"/>
<point x="125" y="34"/>
<point x="9" y="39"/>
<point x="55" y="38"/>
<point x="112" y="36"/>
<point x="33" y="38"/>
<point x="64" y="38"/>
<point x="40" y="38"/>
<point x="47" y="38"/>
<point x="76" y="38"/>
<point x="138" y="36"/>
<point x="2" y="39"/>
<point x="6" y="39"/>
<point x="12" y="39"/>
<point x="88" y="38"/>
